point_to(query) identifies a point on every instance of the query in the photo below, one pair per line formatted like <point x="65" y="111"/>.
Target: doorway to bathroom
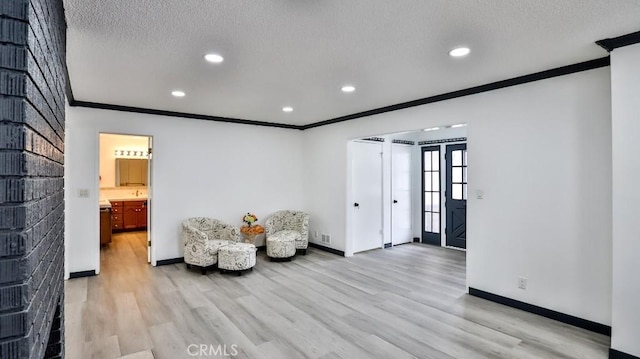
<point x="125" y="163"/>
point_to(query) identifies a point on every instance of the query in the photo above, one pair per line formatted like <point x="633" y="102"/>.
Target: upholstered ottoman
<point x="236" y="257"/>
<point x="282" y="245"/>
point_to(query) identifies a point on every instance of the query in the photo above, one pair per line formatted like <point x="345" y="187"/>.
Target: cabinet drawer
<point x="116" y="209"/>
<point x="136" y="204"/>
<point x="116" y="203"/>
<point x="117" y="225"/>
<point x="116" y="218"/>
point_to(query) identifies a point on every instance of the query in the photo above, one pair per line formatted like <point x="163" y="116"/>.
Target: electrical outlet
<point x="326" y="238"/>
<point x="315" y="234"/>
<point x="83" y="193"/>
<point x="522" y="282"/>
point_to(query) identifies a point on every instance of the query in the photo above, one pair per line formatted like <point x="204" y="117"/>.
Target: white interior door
<point x="401" y="228"/>
<point x="149" y="198"/>
<point x="367" y="195"/>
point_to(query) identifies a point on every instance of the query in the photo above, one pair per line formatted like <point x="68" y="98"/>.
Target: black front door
<point x="456" y="195"/>
<point x="431" y="192"/>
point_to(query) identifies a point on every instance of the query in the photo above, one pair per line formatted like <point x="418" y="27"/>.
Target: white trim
<point x="96" y="189"/>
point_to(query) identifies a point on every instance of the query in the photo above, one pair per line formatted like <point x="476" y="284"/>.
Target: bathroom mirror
<point x="131" y="172"/>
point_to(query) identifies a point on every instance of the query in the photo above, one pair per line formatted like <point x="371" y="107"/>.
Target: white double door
<point x="367" y="195"/>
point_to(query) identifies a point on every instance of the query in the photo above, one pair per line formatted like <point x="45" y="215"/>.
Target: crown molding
<point x="613" y="43"/>
<point x="150" y="111"/>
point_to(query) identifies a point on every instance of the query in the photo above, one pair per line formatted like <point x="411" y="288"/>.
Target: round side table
<point x="250" y="237"/>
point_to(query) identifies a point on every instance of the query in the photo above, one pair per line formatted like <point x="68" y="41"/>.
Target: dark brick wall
<point x="32" y="105"/>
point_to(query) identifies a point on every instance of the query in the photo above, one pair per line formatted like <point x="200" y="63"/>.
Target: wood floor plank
<point x="131" y="329"/>
<point x="74" y="326"/>
<point x="531" y="328"/>
<point x="145" y="354"/>
<point x="446" y="339"/>
<point x="305" y="299"/>
<point x="76" y="290"/>
<point x="405" y="302"/>
<point x="419" y="347"/>
<point x="278" y="349"/>
<point x="381" y="348"/>
<point x="152" y="310"/>
<point x="242" y="318"/>
<point x="168" y="342"/>
<point x="101" y="348"/>
<point x="283" y="328"/>
<point x="419" y="313"/>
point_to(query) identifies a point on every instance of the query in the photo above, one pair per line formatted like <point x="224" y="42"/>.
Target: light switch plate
<point x="83" y="193"/>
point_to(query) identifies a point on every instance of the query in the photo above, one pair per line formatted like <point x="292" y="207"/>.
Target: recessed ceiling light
<point x="348" y="88"/>
<point x="458" y="125"/>
<point x="287" y="109"/>
<point x="431" y="129"/>
<point x="178" y="93"/>
<point x="215" y="58"/>
<point x="459" y="52"/>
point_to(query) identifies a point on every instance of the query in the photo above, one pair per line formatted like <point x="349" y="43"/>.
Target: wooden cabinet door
<point x="135" y="214"/>
<point x="142" y="216"/>
<point x="130" y="217"/>
<point x="105" y="226"/>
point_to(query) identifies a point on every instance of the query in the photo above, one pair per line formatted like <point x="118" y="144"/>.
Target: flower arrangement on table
<point x="250" y="229"/>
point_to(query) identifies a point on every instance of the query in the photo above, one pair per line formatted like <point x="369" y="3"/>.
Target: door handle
<point x="356" y="204"/>
<point x="394" y="201"/>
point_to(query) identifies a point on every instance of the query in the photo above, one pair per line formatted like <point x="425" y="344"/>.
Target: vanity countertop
<point x="106" y="203"/>
<point x="127" y="199"/>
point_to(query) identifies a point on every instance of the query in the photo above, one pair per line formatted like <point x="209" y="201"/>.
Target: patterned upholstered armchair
<point x="290" y="221"/>
<point x="202" y="237"/>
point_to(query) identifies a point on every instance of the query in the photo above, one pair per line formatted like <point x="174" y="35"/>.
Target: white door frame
<point x="348" y="239"/>
<point x="394" y="241"/>
<point x="96" y="188"/>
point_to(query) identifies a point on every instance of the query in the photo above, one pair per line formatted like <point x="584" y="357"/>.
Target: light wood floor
<point x="408" y="301"/>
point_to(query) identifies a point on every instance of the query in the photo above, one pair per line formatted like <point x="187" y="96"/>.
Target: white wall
<point x="625" y="88"/>
<point x="200" y="168"/>
<point x="542" y="154"/>
<point x="108" y="144"/>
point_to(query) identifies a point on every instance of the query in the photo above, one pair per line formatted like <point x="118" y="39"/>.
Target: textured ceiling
<point x="300" y="52"/>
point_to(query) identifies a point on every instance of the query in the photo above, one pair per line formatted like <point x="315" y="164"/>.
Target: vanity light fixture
<point x="348" y="88"/>
<point x="287" y="109"/>
<point x="178" y="93"/>
<point x="214" y="58"/>
<point x="459" y="52"/>
<point x="458" y="125"/>
<point x="431" y="129"/>
<point x="131" y="154"/>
